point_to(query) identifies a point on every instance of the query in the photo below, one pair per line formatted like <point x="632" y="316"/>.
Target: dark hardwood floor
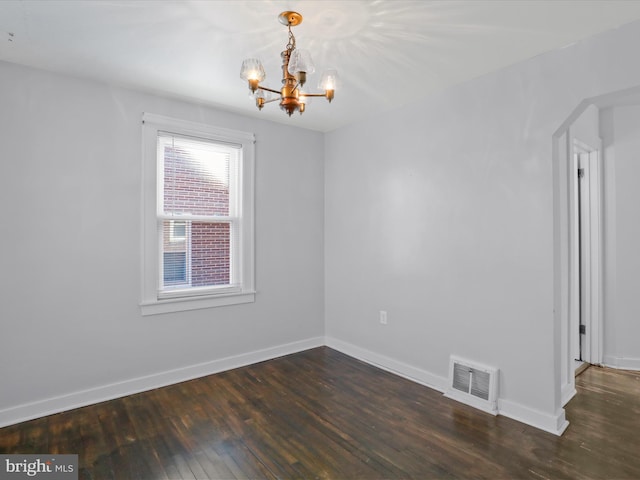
<point x="321" y="414"/>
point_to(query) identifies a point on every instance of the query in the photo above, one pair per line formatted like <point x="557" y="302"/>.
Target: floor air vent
<point x="473" y="384"/>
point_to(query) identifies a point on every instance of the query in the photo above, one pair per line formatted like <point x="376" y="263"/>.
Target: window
<point x="198" y="216"/>
<point x="177" y="231"/>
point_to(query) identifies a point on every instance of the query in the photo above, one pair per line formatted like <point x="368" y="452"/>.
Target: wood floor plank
<point x="96" y="458"/>
<point x="320" y="414"/>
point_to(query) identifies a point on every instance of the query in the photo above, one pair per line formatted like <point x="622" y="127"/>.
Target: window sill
<point x="194" y="303"/>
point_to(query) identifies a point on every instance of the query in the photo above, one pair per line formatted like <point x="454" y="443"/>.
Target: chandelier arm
<point x="315" y="94"/>
<point x="268" y="89"/>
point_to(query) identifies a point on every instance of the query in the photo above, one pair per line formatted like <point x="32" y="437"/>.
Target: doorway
<point x="599" y="135"/>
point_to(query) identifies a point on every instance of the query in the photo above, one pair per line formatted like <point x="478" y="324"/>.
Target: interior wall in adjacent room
<point x="621" y="138"/>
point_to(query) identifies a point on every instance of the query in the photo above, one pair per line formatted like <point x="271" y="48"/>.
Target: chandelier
<point x="296" y="65"/>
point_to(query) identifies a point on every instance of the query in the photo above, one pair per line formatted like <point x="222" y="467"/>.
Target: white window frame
<point x="152" y="300"/>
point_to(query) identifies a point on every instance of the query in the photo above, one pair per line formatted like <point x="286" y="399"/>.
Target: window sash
<point x="201" y="168"/>
<point x="185" y="289"/>
<point x="207" y="145"/>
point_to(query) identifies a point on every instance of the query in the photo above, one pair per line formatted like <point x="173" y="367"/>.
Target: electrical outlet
<point x="383" y="317"/>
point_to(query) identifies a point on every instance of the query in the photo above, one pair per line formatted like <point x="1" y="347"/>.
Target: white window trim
<point x="150" y="303"/>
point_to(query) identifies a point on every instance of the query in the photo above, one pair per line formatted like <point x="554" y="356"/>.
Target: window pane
<point x="202" y="259"/>
<point x="196" y="177"/>
<point x="175" y="256"/>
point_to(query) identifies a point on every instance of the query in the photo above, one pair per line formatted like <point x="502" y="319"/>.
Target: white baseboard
<point x="555" y="424"/>
<point x="621" y="363"/>
<point x="484" y="405"/>
<point x="401" y="369"/>
<point x="41" y="408"/>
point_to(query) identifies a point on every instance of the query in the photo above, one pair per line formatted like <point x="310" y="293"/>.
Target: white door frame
<point x="588" y="159"/>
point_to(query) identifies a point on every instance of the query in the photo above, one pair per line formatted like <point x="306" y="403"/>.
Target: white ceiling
<point x="387" y="52"/>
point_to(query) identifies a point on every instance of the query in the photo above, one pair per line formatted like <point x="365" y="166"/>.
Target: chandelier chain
<point x="291" y="46"/>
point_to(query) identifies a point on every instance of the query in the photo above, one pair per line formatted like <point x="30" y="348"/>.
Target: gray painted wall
<point x="441" y="213"/>
<point x="70" y="257"/>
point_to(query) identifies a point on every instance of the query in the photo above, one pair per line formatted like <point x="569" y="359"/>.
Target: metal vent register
<point x="473" y="384"/>
<point x="471" y="380"/>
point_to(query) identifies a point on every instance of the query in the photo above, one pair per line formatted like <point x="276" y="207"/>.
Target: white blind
<point x="198" y="215"/>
